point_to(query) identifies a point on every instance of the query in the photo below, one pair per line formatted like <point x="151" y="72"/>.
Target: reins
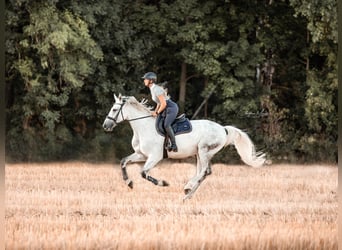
<point x="143" y="117"/>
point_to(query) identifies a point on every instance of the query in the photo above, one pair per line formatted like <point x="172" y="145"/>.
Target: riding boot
<point x="171" y="135"/>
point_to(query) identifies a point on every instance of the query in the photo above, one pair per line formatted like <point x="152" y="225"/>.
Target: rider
<point x="165" y="106"/>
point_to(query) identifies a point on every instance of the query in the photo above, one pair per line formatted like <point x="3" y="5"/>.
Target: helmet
<point x="150" y="76"/>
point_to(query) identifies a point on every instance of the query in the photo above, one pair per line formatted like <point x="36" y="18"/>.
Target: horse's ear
<point x="120" y="97"/>
<point x="115" y="98"/>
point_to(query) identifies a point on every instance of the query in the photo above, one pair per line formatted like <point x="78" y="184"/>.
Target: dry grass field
<point x="88" y="206"/>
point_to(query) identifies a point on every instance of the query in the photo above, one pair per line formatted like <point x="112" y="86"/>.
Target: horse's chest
<point x="148" y="144"/>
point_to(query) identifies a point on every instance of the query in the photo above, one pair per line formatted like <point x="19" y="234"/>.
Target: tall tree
<point x="321" y="77"/>
<point x="52" y="53"/>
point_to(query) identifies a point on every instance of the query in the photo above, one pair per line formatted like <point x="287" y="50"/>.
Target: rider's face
<point x="147" y="82"/>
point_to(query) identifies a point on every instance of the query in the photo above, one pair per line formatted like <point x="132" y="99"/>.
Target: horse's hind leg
<point x="189" y="186"/>
<point x="135" y="157"/>
<point x="190" y="191"/>
<point x="208" y="171"/>
<point x="203" y="170"/>
<point x="194" y="183"/>
<point x="151" y="163"/>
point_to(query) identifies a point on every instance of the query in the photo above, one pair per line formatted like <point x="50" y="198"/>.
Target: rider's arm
<point x="162" y="104"/>
<point x="156" y="109"/>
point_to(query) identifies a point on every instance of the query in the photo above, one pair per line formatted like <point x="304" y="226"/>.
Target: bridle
<point x="122" y="116"/>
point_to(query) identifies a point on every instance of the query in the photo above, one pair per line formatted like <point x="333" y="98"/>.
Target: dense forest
<point x="267" y="67"/>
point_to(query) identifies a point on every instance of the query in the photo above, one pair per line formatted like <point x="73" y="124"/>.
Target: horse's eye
<point x="114" y="110"/>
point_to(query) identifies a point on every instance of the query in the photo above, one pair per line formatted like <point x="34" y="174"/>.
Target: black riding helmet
<point x="151" y="76"/>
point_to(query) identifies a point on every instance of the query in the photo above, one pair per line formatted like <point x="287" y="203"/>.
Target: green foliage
<point x="320" y="109"/>
<point x="271" y="67"/>
<point x="321" y="18"/>
<point x="53" y="57"/>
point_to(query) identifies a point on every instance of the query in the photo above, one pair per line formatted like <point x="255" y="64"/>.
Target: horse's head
<point x="115" y="115"/>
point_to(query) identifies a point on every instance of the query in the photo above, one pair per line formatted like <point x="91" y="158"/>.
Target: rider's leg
<point x="171" y="114"/>
<point x="171" y="135"/>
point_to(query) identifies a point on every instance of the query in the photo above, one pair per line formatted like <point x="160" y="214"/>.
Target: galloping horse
<point x="204" y="141"/>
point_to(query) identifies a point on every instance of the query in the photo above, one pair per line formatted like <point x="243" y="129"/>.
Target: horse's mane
<point x="142" y="105"/>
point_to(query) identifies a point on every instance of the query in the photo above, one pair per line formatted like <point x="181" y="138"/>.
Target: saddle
<point x="181" y="125"/>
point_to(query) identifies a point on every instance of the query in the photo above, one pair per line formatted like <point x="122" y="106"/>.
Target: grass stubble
<point x="88" y="206"/>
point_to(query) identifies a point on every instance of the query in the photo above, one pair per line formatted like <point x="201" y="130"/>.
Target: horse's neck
<point x="143" y="125"/>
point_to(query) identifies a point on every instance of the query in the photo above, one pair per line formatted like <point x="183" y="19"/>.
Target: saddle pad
<point x="180" y="126"/>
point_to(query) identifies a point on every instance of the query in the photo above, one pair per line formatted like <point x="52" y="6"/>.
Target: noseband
<point x="117" y="114"/>
<point x="122" y="116"/>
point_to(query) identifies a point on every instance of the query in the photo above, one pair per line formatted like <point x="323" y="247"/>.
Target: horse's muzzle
<point x="108" y="125"/>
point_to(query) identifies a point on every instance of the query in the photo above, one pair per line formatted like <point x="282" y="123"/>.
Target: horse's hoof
<point x="187" y="191"/>
<point x="129" y="183"/>
<point x="188" y="196"/>
<point x="163" y="183"/>
<point x="268" y="162"/>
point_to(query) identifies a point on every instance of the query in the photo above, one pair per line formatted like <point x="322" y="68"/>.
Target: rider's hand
<point x="154" y="114"/>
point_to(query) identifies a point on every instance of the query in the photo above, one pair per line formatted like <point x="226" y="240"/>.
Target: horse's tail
<point x="245" y="147"/>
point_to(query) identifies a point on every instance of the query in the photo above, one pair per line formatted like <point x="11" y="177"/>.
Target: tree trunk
<point x="182" y="88"/>
<point x="307" y="57"/>
<point x="206" y="103"/>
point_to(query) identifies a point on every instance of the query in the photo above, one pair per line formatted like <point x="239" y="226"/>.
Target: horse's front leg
<point x="133" y="158"/>
<point x="151" y="163"/>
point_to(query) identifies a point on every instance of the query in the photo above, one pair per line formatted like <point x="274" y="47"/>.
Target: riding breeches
<point x="170" y="113"/>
